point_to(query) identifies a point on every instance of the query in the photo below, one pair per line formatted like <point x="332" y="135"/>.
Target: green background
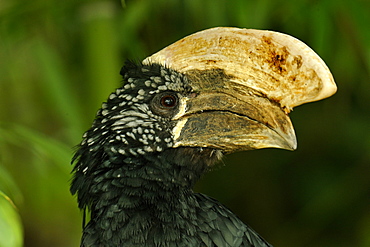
<point x="60" y="59"/>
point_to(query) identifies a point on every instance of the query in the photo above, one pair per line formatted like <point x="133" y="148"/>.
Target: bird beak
<point x="245" y="82"/>
<point x="226" y="114"/>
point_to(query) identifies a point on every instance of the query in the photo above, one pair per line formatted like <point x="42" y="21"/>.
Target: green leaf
<point x="11" y="231"/>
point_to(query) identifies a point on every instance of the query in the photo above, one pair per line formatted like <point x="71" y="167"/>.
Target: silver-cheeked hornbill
<point x="212" y="93"/>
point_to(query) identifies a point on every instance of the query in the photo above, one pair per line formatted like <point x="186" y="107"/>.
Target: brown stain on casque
<point x="210" y="61"/>
<point x="275" y="56"/>
<point x="297" y="61"/>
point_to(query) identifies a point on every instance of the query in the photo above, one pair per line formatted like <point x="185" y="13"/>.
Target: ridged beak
<point x="245" y="83"/>
<point x="225" y="114"/>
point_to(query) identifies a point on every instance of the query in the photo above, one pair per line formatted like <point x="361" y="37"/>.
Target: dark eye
<point x="168" y="101"/>
<point x="165" y="104"/>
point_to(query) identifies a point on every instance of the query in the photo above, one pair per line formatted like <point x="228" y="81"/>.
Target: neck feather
<point x="147" y="198"/>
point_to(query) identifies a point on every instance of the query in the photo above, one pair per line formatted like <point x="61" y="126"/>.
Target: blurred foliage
<point x="11" y="232"/>
<point x="60" y="59"/>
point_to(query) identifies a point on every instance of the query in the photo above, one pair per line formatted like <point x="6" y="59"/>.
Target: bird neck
<point x="151" y="179"/>
<point x="145" y="196"/>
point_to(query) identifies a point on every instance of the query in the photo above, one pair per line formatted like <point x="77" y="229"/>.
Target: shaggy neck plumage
<point x="142" y="197"/>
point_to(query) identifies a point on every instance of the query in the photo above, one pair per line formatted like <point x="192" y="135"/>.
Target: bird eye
<point x="168" y="101"/>
<point x="165" y="104"/>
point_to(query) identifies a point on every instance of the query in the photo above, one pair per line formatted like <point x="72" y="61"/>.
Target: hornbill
<point x="212" y="93"/>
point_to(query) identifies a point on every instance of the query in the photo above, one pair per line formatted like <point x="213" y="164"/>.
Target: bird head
<point x="217" y="91"/>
